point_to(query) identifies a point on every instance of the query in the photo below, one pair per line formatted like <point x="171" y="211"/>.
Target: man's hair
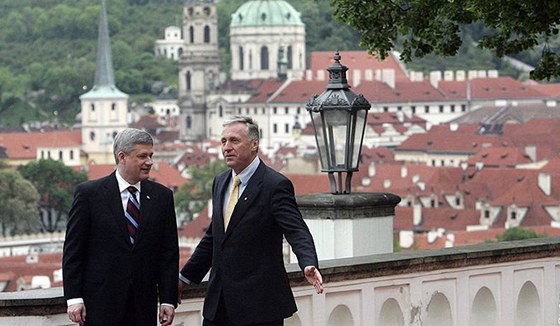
<point x="252" y="126"/>
<point x="127" y="138"/>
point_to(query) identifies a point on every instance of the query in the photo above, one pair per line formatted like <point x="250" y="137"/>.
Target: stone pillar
<point x="349" y="225"/>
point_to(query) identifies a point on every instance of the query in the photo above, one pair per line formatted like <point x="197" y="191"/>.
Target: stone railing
<point x="508" y="283"/>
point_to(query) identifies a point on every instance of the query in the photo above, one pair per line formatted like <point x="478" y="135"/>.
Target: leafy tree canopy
<point x="55" y="183"/>
<point x="517" y="234"/>
<point x="18" y="203"/>
<point x="194" y="195"/>
<point x="422" y="27"/>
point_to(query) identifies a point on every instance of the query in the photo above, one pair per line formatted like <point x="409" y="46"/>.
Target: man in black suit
<point x="248" y="284"/>
<point x="119" y="259"/>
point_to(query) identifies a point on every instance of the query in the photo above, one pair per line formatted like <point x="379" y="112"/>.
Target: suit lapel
<point x="246" y="199"/>
<point x="113" y="198"/>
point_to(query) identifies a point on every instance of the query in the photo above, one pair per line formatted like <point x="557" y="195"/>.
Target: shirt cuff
<point x="184" y="279"/>
<point x="168" y="304"/>
<point x="70" y="302"/>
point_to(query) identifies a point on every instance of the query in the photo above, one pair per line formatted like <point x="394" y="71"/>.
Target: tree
<point x="55" y="183"/>
<point x="18" y="203"/>
<point x="194" y="195"/>
<point x="422" y="27"/>
<point x="517" y="234"/>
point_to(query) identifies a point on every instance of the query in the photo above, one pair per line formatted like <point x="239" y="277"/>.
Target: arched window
<point x="221" y="111"/>
<point x="189" y="122"/>
<point x="188" y="80"/>
<point x="92" y="136"/>
<point x="191" y="34"/>
<point x="241" y="58"/>
<point x="264" y="58"/>
<point x="206" y="34"/>
<point x="289" y="56"/>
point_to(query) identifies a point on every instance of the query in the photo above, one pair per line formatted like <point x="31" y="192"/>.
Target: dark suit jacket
<point x="247" y="262"/>
<point x="100" y="264"/>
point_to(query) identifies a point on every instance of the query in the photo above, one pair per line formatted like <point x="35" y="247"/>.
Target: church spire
<point x="104" y="75"/>
<point x="104" y="82"/>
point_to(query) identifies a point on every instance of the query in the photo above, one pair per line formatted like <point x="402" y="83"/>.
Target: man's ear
<point x="121" y="155"/>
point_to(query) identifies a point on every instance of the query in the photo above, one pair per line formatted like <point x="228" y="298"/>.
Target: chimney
<point x="417" y="214"/>
<point x="545" y="181"/>
<point x="356" y="77"/>
<point x="435" y="78"/>
<point x="531" y="152"/>
<point x="388" y="77"/>
<point x="368" y="75"/>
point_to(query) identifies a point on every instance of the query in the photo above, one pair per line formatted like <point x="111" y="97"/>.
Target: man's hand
<point x="314" y="277"/>
<point x="166" y="315"/>
<point x="180" y="290"/>
<point x="77" y="313"/>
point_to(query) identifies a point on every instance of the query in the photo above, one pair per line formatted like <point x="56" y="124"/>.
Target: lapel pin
<point x="148" y="197"/>
<point x="245" y="198"/>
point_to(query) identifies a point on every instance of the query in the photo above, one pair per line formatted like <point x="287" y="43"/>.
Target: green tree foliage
<point x="195" y="194"/>
<point x="55" y="183"/>
<point x="422" y="27"/>
<point x="517" y="234"/>
<point x="18" y="203"/>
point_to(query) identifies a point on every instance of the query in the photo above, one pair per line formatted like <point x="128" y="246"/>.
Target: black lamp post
<point x="339" y="118"/>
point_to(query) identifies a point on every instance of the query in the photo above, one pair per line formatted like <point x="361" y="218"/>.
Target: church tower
<point x="104" y="107"/>
<point x="199" y="66"/>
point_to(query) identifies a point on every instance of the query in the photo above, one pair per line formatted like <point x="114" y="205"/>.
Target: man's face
<point x="136" y="165"/>
<point x="239" y="151"/>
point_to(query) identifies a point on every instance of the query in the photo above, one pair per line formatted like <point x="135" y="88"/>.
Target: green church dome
<point x="266" y="13"/>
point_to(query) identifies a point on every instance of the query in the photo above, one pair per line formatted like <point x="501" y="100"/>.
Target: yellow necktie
<point x="232" y="201"/>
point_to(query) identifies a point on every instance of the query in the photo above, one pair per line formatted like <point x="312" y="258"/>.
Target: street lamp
<point x="339" y="118"/>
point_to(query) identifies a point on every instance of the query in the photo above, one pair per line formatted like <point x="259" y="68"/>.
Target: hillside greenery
<point x="48" y="48"/>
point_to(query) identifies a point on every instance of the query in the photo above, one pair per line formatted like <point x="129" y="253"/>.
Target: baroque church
<point x="267" y="42"/>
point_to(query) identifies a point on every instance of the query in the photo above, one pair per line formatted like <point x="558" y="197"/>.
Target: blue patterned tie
<point x="132" y="214"/>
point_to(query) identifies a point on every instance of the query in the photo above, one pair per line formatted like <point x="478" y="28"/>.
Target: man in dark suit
<point x="119" y="259"/>
<point x="248" y="284"/>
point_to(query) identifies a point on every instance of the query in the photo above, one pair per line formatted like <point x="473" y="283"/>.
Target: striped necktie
<point x="132" y="214"/>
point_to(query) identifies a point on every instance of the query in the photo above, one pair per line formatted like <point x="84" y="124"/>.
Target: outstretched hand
<point x="314" y="277"/>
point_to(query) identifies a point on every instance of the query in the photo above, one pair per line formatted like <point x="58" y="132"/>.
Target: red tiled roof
<point x="356" y="60"/>
<point x="23" y="145"/>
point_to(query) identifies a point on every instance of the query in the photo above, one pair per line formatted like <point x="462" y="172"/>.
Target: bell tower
<point x="199" y="66"/>
<point x="104" y="107"/>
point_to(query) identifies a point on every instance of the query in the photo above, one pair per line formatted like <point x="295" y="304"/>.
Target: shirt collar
<point x="248" y="172"/>
<point x="123" y="184"/>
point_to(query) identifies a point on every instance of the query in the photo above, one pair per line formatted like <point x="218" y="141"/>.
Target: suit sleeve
<point x="75" y="244"/>
<point x="169" y="254"/>
<point x="288" y="217"/>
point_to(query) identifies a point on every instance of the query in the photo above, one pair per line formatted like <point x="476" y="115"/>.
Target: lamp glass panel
<point x="358" y="136"/>
<point x="320" y="137"/>
<point x="337" y="126"/>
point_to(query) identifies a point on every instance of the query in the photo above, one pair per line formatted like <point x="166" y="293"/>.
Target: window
<point x="463" y="108"/>
<point x="385" y="109"/>
<point x="274" y="110"/>
<point x="287" y="128"/>
<point x="191" y="34"/>
<point x="426" y="109"/>
<point x="60" y="155"/>
<point x="264" y="58"/>
<point x="92" y="136"/>
<point x="241" y="58"/>
<point x="189" y="122"/>
<point x="513" y="215"/>
<point x="413" y="109"/>
<point x="92" y="107"/>
<point x="220" y="110"/>
<point x="71" y="154"/>
<point x="290" y="55"/>
<point x="188" y="80"/>
<point x="452" y="107"/>
<point x="275" y="128"/>
<point x="286" y="110"/>
<point x="486" y="214"/>
<point x="206" y="34"/>
<point x="441" y="109"/>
